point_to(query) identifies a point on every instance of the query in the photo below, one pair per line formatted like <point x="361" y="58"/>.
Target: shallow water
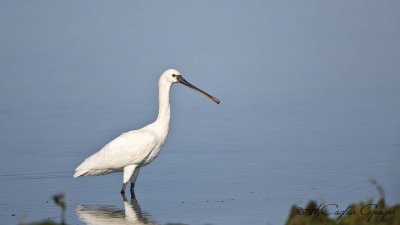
<point x="220" y="164"/>
<point x="309" y="108"/>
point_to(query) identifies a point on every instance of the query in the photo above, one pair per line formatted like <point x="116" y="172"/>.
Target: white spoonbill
<point x="137" y="148"/>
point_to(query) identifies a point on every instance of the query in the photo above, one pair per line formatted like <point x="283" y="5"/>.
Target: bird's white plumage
<point x="131" y="148"/>
<point x="137" y="148"/>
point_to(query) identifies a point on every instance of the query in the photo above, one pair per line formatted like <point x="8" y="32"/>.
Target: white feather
<point x="137" y="148"/>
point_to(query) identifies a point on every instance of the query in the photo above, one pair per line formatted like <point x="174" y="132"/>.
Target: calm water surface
<point x="232" y="163"/>
<point x="309" y="107"/>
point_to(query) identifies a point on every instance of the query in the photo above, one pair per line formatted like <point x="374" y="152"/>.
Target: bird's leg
<point x="133" y="190"/>
<point x="123" y="197"/>
<point x="128" y="172"/>
<point x="133" y="181"/>
<point x="123" y="188"/>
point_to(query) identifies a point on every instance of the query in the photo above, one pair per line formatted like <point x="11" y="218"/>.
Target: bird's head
<point x="173" y="76"/>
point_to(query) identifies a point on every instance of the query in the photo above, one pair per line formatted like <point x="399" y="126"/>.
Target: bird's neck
<point x="163" y="108"/>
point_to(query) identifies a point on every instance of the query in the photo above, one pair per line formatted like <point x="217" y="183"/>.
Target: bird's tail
<point x="82" y="169"/>
<point x="79" y="173"/>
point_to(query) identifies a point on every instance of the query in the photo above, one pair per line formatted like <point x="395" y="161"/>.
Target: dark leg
<point x="123" y="197"/>
<point x="133" y="181"/>
<point x="123" y="188"/>
<point x="133" y="190"/>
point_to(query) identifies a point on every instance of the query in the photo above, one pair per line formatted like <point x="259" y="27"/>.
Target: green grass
<point x="363" y="213"/>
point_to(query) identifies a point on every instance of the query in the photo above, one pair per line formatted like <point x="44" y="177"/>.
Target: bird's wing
<point x="128" y="149"/>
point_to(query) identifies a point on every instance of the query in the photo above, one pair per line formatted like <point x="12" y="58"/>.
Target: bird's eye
<point x="173" y="75"/>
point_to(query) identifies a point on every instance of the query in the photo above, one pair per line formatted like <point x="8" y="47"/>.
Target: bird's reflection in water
<point x="99" y="215"/>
